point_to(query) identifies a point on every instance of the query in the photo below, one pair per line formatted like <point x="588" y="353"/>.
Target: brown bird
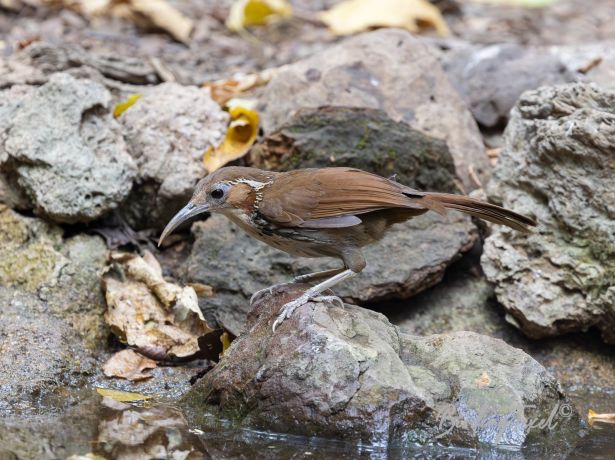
<point x="328" y="212"/>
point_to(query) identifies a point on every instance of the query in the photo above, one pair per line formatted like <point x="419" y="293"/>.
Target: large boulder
<point x="348" y="373"/>
<point x="62" y="149"/>
<point x="388" y="70"/>
<point x="558" y="165"/>
<point x="167" y="131"/>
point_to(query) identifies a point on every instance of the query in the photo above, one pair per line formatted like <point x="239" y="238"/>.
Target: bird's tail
<point x="439" y="202"/>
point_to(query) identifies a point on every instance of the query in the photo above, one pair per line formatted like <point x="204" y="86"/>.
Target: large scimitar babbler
<point x="328" y="212"/>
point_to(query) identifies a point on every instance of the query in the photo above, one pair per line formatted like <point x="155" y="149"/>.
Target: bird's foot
<point x="288" y="309"/>
<point x="268" y="290"/>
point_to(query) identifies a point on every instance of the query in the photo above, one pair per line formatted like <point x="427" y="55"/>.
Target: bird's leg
<point x="314" y="294"/>
<point x="297" y="279"/>
<point x="317" y="275"/>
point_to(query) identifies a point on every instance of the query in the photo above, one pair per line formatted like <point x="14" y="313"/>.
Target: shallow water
<point x="113" y="429"/>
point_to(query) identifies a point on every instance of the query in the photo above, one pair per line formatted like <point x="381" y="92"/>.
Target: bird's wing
<point x="302" y="197"/>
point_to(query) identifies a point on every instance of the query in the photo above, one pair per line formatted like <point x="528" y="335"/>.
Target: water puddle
<point x="111" y="429"/>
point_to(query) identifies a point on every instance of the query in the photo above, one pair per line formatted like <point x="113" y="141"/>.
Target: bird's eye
<point x="217" y="193"/>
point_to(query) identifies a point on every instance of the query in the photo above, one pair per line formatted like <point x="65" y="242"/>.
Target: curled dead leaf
<point x="246" y="13"/>
<point x="353" y="16"/>
<point x="240" y="135"/>
<point x="161" y="320"/>
<point x="128" y="364"/>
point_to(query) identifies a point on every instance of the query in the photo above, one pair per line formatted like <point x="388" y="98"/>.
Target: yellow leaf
<point x="240" y="135"/>
<point x="122" y="396"/>
<point x="123" y="106"/>
<point x="593" y="416"/>
<point x="246" y="13"/>
<point x="225" y="338"/>
<point x="354" y="16"/>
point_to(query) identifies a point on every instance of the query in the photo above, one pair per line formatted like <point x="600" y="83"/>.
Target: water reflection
<point x="130" y="432"/>
<point x="104" y="428"/>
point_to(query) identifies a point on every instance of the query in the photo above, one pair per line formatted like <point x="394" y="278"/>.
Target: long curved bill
<point x="185" y="213"/>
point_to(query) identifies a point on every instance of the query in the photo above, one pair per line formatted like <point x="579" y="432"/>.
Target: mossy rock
<point x="361" y="138"/>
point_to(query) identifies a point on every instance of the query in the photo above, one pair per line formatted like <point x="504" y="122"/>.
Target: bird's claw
<point x="288" y="308"/>
<point x="269" y="289"/>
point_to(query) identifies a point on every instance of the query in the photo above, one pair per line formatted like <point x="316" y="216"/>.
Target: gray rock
<point x="360" y="138"/>
<point x="348" y="373"/>
<point x="389" y="70"/>
<point x="557" y="165"/>
<point x="492" y="78"/>
<point x="64" y="150"/>
<point x="412" y="257"/>
<point x="167" y="132"/>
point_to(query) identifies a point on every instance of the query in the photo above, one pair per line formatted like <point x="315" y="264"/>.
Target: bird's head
<point x="227" y="189"/>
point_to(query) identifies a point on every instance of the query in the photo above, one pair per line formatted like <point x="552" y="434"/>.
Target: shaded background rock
<point x="167" y="131"/>
<point x="491" y="79"/>
<point x="361" y="138"/>
<point x="389" y="70"/>
<point x="370" y="383"/>
<point x="558" y="166"/>
<point x="62" y="148"/>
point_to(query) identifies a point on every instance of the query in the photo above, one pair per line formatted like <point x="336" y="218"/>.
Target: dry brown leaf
<point x="483" y="381"/>
<point x="128" y="364"/>
<point x="353" y="16"/>
<point x="240" y="135"/>
<point x="246" y="13"/>
<point x="224" y="90"/>
<point x="161" y="320"/>
<point x="202" y="290"/>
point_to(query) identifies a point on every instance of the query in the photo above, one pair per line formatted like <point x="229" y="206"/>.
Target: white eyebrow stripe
<point x="252" y="183"/>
